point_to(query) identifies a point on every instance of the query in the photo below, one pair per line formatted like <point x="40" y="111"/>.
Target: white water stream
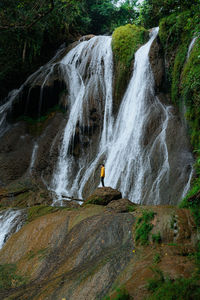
<point x="129" y="161"/>
<point x="90" y="67"/>
<point x="10" y="222"/>
<point x="134" y="147"/>
<point x="191" y="46"/>
<point x="33" y="157"/>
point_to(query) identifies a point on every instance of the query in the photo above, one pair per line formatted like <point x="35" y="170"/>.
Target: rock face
<point x="121" y="205"/>
<point x="82" y="253"/>
<point x="102" y="196"/>
<point x="156" y="57"/>
<point x="15" y="153"/>
<point x="74" y="251"/>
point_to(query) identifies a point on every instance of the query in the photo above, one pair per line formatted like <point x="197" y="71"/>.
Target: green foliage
<point x="30" y="32"/>
<point x="176" y="32"/>
<point x="190" y="92"/>
<point x="176" y="73"/>
<point x="179" y="289"/>
<point x="9" y="277"/>
<point x="131" y="208"/>
<point x="157" y="281"/>
<point x="172" y="244"/>
<point x="152" y="11"/>
<point x="156" y="258"/>
<point x="175" y="40"/>
<point x="121" y="294"/>
<point x="156" y="238"/>
<point x="143" y="227"/>
<point x="125" y="41"/>
<point x="197" y="258"/>
<point x="193" y="205"/>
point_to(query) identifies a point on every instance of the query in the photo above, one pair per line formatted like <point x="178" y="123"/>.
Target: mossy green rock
<point x="125" y="42"/>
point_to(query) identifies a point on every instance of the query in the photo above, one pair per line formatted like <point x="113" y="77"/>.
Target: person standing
<point x="102" y="174"/>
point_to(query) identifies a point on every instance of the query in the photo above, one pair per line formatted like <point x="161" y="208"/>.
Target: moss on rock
<point x="176" y="33"/>
<point x="190" y="92"/>
<point x="35" y="212"/>
<point x="125" y="41"/>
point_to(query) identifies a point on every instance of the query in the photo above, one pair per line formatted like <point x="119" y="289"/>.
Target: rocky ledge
<point x="86" y="252"/>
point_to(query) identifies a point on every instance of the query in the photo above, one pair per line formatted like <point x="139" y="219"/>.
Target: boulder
<point x="102" y="196"/>
<point x="121" y="205"/>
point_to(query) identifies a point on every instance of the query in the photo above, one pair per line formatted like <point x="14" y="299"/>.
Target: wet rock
<point x="70" y="204"/>
<point x="86" y="37"/>
<point x="13" y="224"/>
<point x="121" y="205"/>
<point x="48" y="148"/>
<point x="15" y="153"/>
<point x="102" y="196"/>
<point x="24" y="194"/>
<point x="157" y="63"/>
<point x="81" y="254"/>
<point x="67" y="247"/>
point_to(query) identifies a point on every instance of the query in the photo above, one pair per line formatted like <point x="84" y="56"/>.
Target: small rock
<point x="102" y="196"/>
<point x="121" y="205"/>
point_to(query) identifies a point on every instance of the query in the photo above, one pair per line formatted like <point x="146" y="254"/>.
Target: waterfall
<point x="33" y="157"/>
<point x="191" y="46"/>
<point x="129" y="158"/>
<point x="90" y="67"/>
<point x="41" y="75"/>
<point x="4" y="108"/>
<point x="11" y="221"/>
<point x="135" y="146"/>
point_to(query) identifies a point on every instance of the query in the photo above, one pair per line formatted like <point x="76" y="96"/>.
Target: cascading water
<point x="90" y="67"/>
<point x="33" y="157"/>
<point x="135" y="149"/>
<point x="11" y="221"/>
<point x="4" y="108"/>
<point x="191" y="46"/>
<point x="129" y="161"/>
<point x="130" y="158"/>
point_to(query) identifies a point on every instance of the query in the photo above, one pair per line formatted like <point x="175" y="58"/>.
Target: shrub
<point x="121" y="294"/>
<point x="190" y="92"/>
<point x="143" y="227"/>
<point x="179" y="289"/>
<point x="156" y="238"/>
<point x="130" y="208"/>
<point x="194" y="204"/>
<point x="156" y="258"/>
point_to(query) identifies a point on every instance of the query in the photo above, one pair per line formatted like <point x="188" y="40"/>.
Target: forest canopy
<point x="31" y="31"/>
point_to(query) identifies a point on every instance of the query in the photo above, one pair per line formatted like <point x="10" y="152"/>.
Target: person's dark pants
<point x="102" y="181"/>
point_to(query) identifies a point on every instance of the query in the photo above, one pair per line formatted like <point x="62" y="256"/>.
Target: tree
<point x="151" y="11"/>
